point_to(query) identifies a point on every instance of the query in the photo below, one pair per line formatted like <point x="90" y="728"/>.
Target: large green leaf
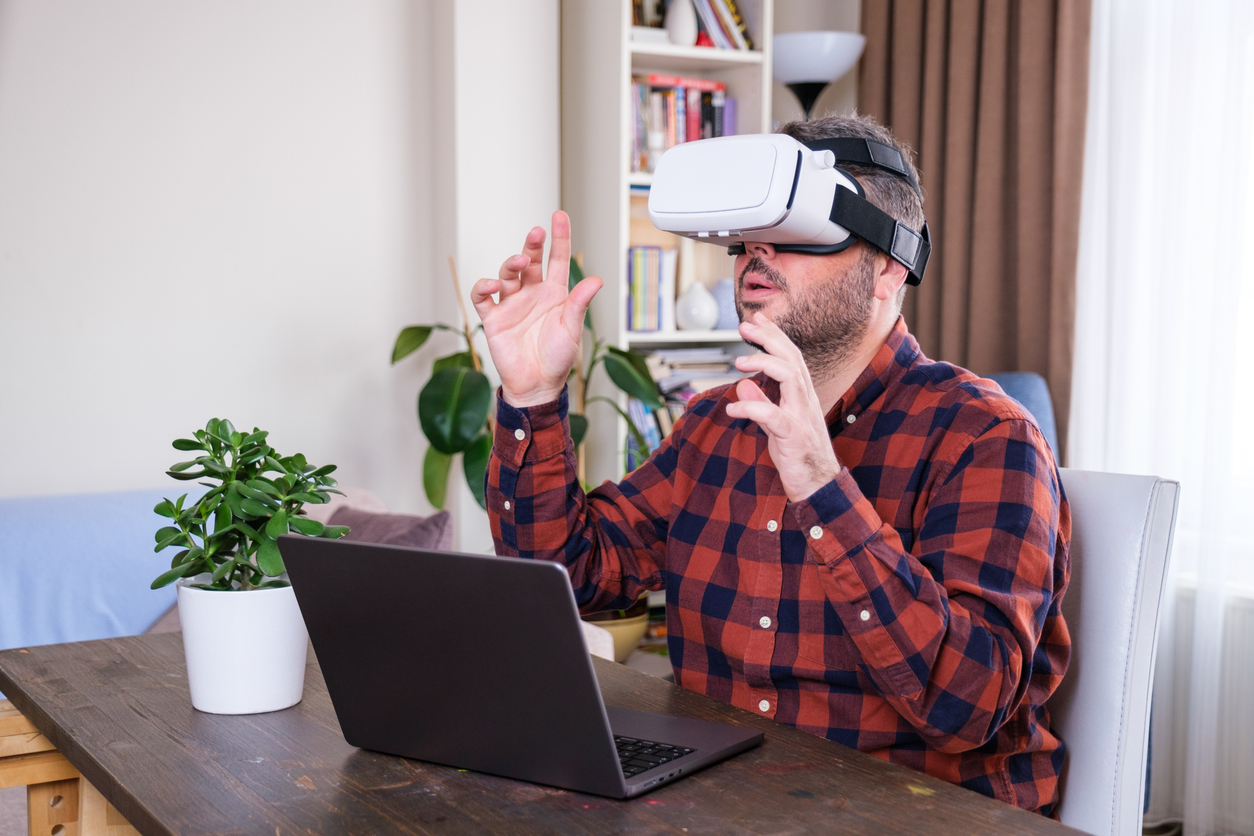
<point x="306" y="526"/>
<point x="277" y="526"/>
<point x="452" y="408"/>
<point x="578" y="427"/>
<point x="166" y="578"/>
<point x="188" y="444"/>
<point x="475" y="465"/>
<point x="632" y="378"/>
<point x="576" y="276"/>
<point x="409" y="340"/>
<point x="412" y="337"/>
<point x="435" y="470"/>
<point x="452" y="361"/>
<point x="269" y="560"/>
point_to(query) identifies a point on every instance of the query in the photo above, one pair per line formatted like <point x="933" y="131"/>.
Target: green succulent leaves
<point x="230" y="533"/>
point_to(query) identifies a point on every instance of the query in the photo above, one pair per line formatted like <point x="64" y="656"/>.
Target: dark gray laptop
<point x="479" y="663"/>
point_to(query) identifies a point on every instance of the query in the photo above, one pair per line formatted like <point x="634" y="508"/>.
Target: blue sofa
<point x="78" y="567"/>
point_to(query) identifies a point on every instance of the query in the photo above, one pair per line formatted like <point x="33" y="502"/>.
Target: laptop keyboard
<point x="639" y="756"/>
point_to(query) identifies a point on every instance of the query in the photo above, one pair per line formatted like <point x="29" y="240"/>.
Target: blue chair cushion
<point x="1031" y="391"/>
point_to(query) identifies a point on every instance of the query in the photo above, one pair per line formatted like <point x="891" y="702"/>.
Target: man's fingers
<point x="760" y="330"/>
<point x="481" y="295"/>
<point x="559" y="249"/>
<point x="533" y="249"/>
<point x="577" y="303"/>
<point x="509" y="274"/>
<point x="756" y="407"/>
<point x="791" y="374"/>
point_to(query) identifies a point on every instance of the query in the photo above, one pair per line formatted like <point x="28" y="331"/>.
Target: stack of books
<point x="683" y="372"/>
<point x="670" y="109"/>
<point x="719" y="23"/>
<point x="722" y="21"/>
<point x="651" y="288"/>
<point x="680" y="373"/>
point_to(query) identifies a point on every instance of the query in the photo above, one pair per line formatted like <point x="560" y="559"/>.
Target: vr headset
<point x="774" y="189"/>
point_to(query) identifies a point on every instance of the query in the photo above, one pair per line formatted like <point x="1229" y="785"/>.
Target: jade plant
<point x="454" y="406"/>
<point x="254" y="497"/>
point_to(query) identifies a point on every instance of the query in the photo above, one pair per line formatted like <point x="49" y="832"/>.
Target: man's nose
<point x="760" y="249"/>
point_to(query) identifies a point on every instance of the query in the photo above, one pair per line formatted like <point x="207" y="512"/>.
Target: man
<point x="857" y="541"/>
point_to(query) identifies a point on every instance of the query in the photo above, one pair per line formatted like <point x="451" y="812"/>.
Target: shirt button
<point x="816" y="532"/>
<point x="507" y="505"/>
<point x="849" y="419"/>
<point x="865" y="615"/>
<point x="765" y="621"/>
<point x="764" y="705"/>
<point x="519" y="434"/>
<point x="772" y="525"/>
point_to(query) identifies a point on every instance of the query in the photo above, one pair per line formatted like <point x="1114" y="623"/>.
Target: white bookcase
<point x="599" y="59"/>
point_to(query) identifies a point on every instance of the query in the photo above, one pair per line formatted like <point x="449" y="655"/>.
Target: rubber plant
<point x="454" y="406"/>
<point x="254" y="497"/>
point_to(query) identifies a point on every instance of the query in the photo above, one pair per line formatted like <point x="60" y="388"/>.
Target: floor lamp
<point x="806" y="62"/>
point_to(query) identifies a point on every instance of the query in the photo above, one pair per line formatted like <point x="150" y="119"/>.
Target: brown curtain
<point x="991" y="95"/>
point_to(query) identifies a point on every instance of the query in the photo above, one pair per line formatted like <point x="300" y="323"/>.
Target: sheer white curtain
<point x="1163" y="380"/>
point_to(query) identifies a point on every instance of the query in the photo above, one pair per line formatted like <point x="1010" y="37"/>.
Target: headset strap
<point x="866" y="152"/>
<point x="879" y="229"/>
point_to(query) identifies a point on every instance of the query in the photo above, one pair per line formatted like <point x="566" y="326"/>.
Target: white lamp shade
<point x="815" y="56"/>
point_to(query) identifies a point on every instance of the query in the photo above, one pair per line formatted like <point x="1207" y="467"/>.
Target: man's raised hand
<point x="796" y="429"/>
<point x="535" y="325"/>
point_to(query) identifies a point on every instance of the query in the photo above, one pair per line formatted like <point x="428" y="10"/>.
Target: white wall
<point x="230" y="208"/>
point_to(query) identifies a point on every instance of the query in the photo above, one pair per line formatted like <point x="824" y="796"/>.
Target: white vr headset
<point x="774" y="189"/>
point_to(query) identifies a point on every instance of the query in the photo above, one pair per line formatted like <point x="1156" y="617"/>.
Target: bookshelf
<point x="606" y="201"/>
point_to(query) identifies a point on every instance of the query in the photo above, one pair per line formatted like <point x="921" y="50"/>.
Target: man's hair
<point x="886" y="190"/>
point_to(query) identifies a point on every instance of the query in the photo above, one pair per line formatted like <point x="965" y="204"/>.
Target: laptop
<point x="480" y="663"/>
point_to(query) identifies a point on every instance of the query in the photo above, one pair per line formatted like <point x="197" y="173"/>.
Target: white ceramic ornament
<point x="697" y="309"/>
<point x="681" y="22"/>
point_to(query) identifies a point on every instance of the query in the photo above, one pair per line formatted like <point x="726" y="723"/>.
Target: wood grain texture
<point x="119" y="710"/>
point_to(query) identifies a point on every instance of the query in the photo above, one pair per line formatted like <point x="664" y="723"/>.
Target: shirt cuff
<point x="842" y="517"/>
<point x="531" y="433"/>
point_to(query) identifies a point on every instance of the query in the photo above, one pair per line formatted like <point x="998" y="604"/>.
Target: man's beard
<point x="826" y="323"/>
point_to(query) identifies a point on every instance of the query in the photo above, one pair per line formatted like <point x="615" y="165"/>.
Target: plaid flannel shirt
<point x="909" y="608"/>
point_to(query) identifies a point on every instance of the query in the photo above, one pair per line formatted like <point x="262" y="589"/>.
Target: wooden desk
<point x="119" y="711"/>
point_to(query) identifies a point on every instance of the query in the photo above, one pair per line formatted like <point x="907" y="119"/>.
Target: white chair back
<point x="1120" y="543"/>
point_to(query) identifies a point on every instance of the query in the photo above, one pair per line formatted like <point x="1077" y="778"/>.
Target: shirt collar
<point x="894" y="357"/>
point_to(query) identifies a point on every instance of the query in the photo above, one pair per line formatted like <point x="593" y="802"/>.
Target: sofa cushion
<point x="433" y="532"/>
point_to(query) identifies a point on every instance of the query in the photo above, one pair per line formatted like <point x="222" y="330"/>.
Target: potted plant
<point x="243" y="634"/>
<point x="454" y="406"/>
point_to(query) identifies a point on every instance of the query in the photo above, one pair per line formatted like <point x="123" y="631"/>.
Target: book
<point x="713" y="25"/>
<point x="739" y="22"/>
<point x="670" y="109"/>
<point x="666" y="290"/>
<point x="729" y="116"/>
<point x="729" y="24"/>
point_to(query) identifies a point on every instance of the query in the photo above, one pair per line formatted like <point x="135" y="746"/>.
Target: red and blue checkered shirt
<point x="909" y="608"/>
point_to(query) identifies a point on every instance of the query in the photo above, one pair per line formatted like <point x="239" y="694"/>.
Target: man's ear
<point x="890" y="275"/>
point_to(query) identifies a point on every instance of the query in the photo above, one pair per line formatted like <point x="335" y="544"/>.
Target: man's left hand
<point x="796" y="429"/>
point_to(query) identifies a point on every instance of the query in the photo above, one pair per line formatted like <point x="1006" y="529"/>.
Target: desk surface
<point x="119" y="710"/>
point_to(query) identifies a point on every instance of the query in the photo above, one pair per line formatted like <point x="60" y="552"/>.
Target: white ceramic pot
<point x="245" y="650"/>
<point x="696" y="310"/>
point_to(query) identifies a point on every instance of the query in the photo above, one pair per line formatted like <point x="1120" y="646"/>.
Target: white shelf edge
<point x="673" y="337"/>
<point x="709" y="54"/>
<point x="639" y="178"/>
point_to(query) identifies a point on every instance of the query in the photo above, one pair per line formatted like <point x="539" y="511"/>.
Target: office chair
<point x="1120" y="544"/>
<point x="1031" y="391"/>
